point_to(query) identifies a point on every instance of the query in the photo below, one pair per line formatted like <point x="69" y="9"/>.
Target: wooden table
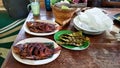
<point x="102" y="52"/>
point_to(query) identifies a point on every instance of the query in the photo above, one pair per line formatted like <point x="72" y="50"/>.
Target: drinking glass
<point x="35" y="7"/>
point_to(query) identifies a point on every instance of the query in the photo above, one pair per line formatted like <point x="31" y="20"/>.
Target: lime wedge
<point x="64" y="7"/>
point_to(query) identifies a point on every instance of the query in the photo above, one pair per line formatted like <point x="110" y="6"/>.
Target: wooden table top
<point x="102" y="52"/>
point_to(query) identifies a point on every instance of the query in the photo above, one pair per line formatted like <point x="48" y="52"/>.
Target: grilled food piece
<point x="75" y="38"/>
<point x="35" y="51"/>
<point x="41" y="27"/>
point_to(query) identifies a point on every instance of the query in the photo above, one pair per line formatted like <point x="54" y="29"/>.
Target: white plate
<point x="41" y="34"/>
<point x="36" y="62"/>
<point x="88" y="32"/>
<point x="81" y="26"/>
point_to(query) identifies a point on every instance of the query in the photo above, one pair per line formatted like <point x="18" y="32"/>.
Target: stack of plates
<point x="79" y="25"/>
<point x="93" y="21"/>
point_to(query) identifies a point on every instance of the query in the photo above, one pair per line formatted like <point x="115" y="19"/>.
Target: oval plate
<point x="36" y="62"/>
<point x="42" y="34"/>
<point x="71" y="47"/>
